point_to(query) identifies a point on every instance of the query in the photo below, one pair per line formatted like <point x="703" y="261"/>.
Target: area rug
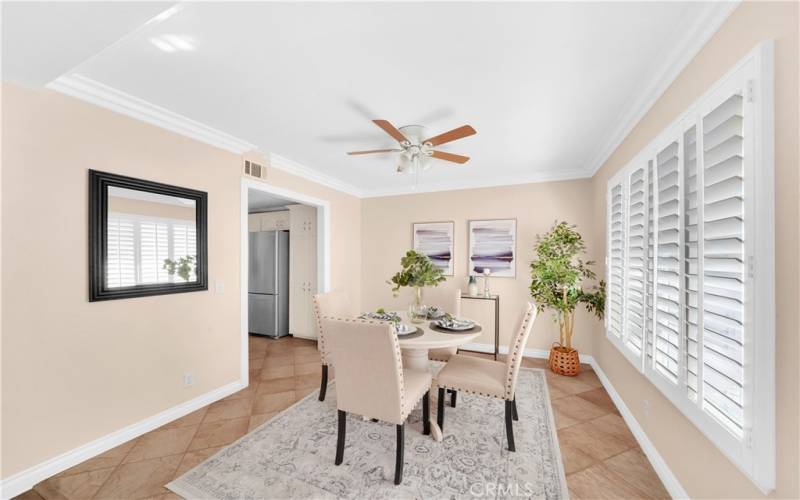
<point x="291" y="455"/>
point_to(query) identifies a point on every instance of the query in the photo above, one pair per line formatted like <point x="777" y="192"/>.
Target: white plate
<point x="459" y="325"/>
<point x="404" y="329"/>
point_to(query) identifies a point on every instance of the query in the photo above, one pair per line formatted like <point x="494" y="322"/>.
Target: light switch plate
<point x="219" y="287"/>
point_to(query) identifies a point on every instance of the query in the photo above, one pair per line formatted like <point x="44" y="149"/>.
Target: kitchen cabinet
<point x="269" y="221"/>
<point x="302" y="270"/>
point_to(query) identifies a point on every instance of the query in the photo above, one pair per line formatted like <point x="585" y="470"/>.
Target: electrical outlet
<point x="188" y="379"/>
<point x="646" y="408"/>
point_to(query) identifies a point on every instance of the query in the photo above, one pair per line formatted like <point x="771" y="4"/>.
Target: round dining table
<point x="415" y="349"/>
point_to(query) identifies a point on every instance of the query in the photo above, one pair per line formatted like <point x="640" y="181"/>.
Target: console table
<point x="496" y="299"/>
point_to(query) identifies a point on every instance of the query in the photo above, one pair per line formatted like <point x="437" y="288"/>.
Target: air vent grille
<point x="253" y="169"/>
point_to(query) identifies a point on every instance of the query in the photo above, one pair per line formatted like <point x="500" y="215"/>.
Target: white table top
<point x="431" y="339"/>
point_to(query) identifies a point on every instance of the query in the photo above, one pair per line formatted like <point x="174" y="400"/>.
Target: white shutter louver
<point x="650" y="264"/>
<point x="636" y="272"/>
<point x="668" y="265"/>
<point x="121" y="253"/>
<point x="723" y="263"/>
<point x="690" y="269"/>
<point x="184" y="242"/>
<point x="616" y="264"/>
<point x="154" y="250"/>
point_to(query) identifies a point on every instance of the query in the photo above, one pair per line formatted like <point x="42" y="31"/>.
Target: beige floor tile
<point x="285" y="359"/>
<point x="276" y="385"/>
<point x="29" y="495"/>
<point x="140" y="479"/>
<point x="161" y="443"/>
<point x="571" y="410"/>
<point x="598" y="483"/>
<point x="308" y="368"/>
<point x="592" y="440"/>
<point x="194" y="458"/>
<point x="76" y="486"/>
<point x="219" y="433"/>
<point x="310" y="380"/>
<point x="613" y="425"/>
<point x="272" y="372"/>
<point x="257" y="420"/>
<point x="247" y="392"/>
<point x="228" y="409"/>
<point x="256" y="362"/>
<point x="303" y="392"/>
<point x="600" y="398"/>
<point x="635" y="469"/>
<point x="193" y="418"/>
<point x="303" y="358"/>
<point x="111" y="458"/>
<point x="268" y="403"/>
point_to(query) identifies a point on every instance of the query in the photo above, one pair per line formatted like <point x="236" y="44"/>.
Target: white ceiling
<point x="259" y="201"/>
<point x="548" y="86"/>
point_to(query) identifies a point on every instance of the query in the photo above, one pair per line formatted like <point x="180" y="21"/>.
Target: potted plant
<point x="183" y="267"/>
<point x="557" y="277"/>
<point x="418" y="272"/>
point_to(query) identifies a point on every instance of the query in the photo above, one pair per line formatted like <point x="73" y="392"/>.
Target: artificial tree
<point x="558" y="274"/>
<point x="418" y="271"/>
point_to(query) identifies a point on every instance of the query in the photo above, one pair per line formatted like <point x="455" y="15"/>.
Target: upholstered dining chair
<point x="328" y="304"/>
<point x="486" y="377"/>
<point x="371" y="380"/>
<point x="449" y="301"/>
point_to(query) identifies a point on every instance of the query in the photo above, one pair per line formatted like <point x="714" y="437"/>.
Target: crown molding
<point x="477" y="183"/>
<point x="294" y="168"/>
<point x="102" y="95"/>
<point x="698" y="33"/>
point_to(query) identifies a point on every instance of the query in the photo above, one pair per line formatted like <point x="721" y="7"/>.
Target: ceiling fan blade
<point x="455" y="134"/>
<point x="441" y="155"/>
<point x="391" y="130"/>
<point x="374" y="151"/>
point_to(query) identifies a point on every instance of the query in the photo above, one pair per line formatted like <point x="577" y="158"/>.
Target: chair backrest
<point x="369" y="369"/>
<point x="517" y="347"/>
<point x="333" y="304"/>
<point x="446" y="299"/>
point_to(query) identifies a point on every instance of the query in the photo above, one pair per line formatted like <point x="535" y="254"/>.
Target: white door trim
<point x="323" y="248"/>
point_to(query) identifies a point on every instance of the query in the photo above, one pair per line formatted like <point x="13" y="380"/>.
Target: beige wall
<point x="149" y="208"/>
<point x="702" y="470"/>
<point x="387" y="234"/>
<point x="74" y="371"/>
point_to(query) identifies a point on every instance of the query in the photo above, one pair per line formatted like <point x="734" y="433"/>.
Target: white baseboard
<point x="671" y="482"/>
<point x="25" y="480"/>
<point x="528" y="353"/>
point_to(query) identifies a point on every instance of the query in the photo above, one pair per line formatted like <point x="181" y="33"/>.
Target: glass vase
<point x="417" y="312"/>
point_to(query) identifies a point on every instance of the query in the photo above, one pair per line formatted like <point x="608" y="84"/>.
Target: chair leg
<point x="426" y="413"/>
<point x="515" y="415"/>
<point x="340" y="437"/>
<point x="323" y="386"/>
<point x="440" y="409"/>
<point x="509" y="425"/>
<point x="398" y="464"/>
<point x="453" y="394"/>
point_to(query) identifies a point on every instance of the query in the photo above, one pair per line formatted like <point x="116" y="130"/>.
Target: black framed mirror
<point x="145" y="238"/>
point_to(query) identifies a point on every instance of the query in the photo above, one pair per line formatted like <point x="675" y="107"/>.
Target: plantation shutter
<point x="121" y="259"/>
<point x="154" y="238"/>
<point x="616" y="253"/>
<point x="723" y="301"/>
<point x="637" y="257"/>
<point x="690" y="268"/>
<point x="650" y="301"/>
<point x="184" y="240"/>
<point x="668" y="266"/>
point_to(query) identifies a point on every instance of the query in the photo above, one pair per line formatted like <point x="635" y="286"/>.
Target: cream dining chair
<point x="371" y="380"/>
<point x="494" y="379"/>
<point x="329" y="304"/>
<point x="449" y="301"/>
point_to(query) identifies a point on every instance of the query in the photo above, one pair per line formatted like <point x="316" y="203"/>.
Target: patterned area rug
<point x="291" y="455"/>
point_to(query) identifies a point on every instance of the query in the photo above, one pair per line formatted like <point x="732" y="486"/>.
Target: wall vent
<point x="253" y="169"/>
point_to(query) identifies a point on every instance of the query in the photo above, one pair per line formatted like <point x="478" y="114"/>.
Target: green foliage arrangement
<point x="183" y="267"/>
<point x="557" y="277"/>
<point x="418" y="271"/>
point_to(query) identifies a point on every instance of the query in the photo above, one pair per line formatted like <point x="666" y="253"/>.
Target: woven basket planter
<point x="564" y="361"/>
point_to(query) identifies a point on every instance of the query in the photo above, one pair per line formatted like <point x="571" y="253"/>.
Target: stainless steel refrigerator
<point x="268" y="284"/>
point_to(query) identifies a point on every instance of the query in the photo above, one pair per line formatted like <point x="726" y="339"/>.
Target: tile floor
<point x="601" y="456"/>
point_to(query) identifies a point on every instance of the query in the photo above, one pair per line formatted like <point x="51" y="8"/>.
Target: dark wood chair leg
<point x="509" y="425"/>
<point x="398" y="464"/>
<point x="340" y="437"/>
<point x="323" y="386"/>
<point x="515" y="415"/>
<point x="453" y="394"/>
<point x="440" y="409"/>
<point x="426" y="413"/>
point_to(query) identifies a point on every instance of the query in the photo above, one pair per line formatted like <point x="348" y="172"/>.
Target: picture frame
<point x="492" y="244"/>
<point x="437" y="241"/>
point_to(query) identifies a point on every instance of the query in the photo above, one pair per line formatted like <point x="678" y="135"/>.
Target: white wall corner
<point x="697" y="32"/>
<point x="27" y="479"/>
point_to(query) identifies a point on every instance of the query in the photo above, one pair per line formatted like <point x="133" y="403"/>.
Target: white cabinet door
<point x="302" y="270"/>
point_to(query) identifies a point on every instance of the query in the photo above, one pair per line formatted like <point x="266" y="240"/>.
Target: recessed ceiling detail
<point x="552" y="87"/>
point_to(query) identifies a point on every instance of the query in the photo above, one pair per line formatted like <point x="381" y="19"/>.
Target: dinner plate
<point x="404" y="329"/>
<point x="455" y="325"/>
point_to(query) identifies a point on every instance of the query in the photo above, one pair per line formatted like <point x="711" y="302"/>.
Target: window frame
<point x="754" y="453"/>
